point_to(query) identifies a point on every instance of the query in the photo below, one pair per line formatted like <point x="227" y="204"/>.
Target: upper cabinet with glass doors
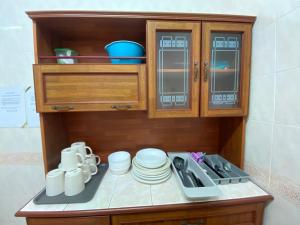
<point x="226" y="49"/>
<point x="173" y="51"/>
<point x="173" y="60"/>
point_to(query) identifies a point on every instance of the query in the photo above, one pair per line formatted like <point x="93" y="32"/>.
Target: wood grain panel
<point x="54" y="139"/>
<point x="106" y="132"/>
<point x="74" y="88"/>
<point x="231" y="215"/>
<point x="52" y="15"/>
<point x="87" y="87"/>
<point x="235" y="219"/>
<point x="97" y="220"/>
<point x="232" y="139"/>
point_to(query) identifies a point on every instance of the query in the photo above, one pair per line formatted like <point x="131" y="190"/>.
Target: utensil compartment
<point x="207" y="189"/>
<point x="222" y="171"/>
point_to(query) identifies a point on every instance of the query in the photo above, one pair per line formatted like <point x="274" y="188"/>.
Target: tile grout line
<point x="273" y="123"/>
<point x="151" y="194"/>
<point x="112" y="192"/>
<point x="286" y="70"/>
<point x="278" y="17"/>
<point x="274" y="111"/>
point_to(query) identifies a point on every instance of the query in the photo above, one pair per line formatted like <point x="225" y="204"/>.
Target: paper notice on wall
<point x="32" y="117"/>
<point x="12" y="107"/>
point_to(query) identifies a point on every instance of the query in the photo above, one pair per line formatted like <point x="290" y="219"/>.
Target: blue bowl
<point x="125" y="49"/>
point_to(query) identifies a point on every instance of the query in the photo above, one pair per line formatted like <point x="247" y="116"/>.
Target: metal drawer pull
<point x="196" y="69"/>
<point x="62" y="107"/>
<point x="205" y="71"/>
<point x="198" y="222"/>
<point x="121" y="107"/>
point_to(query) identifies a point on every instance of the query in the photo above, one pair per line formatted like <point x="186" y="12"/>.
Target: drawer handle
<point x="198" y="222"/>
<point x="62" y="107"/>
<point x="121" y="107"/>
<point x="205" y="71"/>
<point x="196" y="73"/>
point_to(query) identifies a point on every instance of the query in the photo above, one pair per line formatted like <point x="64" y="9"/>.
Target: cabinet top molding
<point x="41" y="15"/>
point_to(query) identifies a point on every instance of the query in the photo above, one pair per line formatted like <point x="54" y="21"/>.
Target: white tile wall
<point x="274" y="110"/>
<point x="288" y="37"/>
<point x="287" y="109"/>
<point x="262" y="98"/>
<point x="274" y="121"/>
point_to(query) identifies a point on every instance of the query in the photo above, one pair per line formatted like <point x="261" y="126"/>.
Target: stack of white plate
<point x="151" y="166"/>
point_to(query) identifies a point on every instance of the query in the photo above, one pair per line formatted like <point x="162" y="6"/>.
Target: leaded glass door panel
<point x="173" y="68"/>
<point x="225" y="69"/>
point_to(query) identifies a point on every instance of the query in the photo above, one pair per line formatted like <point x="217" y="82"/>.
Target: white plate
<point x="151" y="177"/>
<point x="151" y="157"/>
<point x="150" y="181"/>
<point x="155" y="171"/>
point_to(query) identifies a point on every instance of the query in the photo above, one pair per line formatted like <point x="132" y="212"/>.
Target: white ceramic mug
<point x="55" y="182"/>
<point x="82" y="148"/>
<point x="70" y="159"/>
<point x="93" y="160"/>
<point x="88" y="172"/>
<point x="74" y="182"/>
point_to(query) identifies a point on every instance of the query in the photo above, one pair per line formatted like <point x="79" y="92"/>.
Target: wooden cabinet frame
<point x="245" y="30"/>
<point x="152" y="28"/>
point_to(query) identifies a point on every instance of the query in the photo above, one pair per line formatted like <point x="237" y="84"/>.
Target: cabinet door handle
<point x="121" y="107"/>
<point x="205" y="71"/>
<point x="196" y="71"/>
<point x="62" y="107"/>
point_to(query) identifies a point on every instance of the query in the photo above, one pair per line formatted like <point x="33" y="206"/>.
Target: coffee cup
<point x="70" y="159"/>
<point x="55" y="182"/>
<point x="93" y="161"/>
<point x="74" y="182"/>
<point x="88" y="172"/>
<point x="82" y="148"/>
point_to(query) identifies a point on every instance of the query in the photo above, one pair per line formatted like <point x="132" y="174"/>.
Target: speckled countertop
<point x="123" y="191"/>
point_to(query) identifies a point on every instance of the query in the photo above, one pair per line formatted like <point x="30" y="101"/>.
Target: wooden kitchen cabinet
<point x="106" y="105"/>
<point x="173" y="68"/>
<point x="226" y="53"/>
<point x="87" y="87"/>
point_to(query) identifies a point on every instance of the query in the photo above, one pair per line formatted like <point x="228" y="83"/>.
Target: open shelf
<point x="90" y="57"/>
<point x="96" y="59"/>
<point x="89" y="37"/>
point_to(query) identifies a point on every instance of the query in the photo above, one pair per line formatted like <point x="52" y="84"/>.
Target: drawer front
<point x="98" y="220"/>
<point x="90" y="87"/>
<point x="166" y="218"/>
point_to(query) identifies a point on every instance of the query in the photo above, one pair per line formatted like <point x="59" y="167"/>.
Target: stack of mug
<point x="78" y="164"/>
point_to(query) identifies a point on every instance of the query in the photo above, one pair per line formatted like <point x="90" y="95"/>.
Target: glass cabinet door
<point x="226" y="65"/>
<point x="173" y="71"/>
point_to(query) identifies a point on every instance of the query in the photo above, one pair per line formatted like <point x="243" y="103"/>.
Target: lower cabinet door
<point x="165" y="218"/>
<point x="234" y="219"/>
<point x="94" y="220"/>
